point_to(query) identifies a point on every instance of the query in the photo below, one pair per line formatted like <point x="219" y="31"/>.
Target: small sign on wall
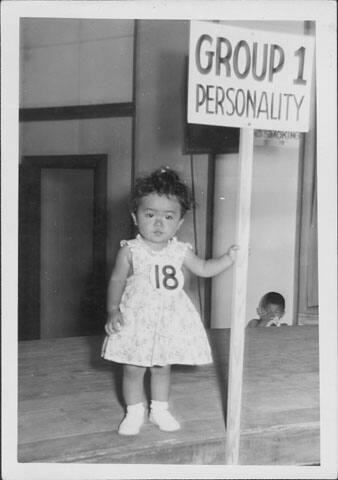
<point x="277" y="138"/>
<point x="249" y="78"/>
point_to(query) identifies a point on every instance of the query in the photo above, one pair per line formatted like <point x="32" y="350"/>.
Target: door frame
<point x="29" y="238"/>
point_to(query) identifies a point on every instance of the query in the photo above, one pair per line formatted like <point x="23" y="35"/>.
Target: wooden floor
<point x="70" y="404"/>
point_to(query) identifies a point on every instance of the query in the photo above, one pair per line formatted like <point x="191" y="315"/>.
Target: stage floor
<point x="70" y="403"/>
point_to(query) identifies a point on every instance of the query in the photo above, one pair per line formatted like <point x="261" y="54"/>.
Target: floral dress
<point x="161" y="325"/>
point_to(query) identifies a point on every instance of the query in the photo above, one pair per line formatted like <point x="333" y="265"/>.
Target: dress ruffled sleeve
<point x="182" y="248"/>
<point x="132" y="244"/>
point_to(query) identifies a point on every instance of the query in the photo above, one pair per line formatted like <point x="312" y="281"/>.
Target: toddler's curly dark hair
<point x="163" y="181"/>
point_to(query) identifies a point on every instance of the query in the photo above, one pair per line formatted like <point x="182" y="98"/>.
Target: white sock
<point x="160" y="416"/>
<point x="135" y="408"/>
<point x="133" y="420"/>
<point x="157" y="405"/>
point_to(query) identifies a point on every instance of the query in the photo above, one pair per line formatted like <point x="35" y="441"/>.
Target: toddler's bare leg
<point x="133" y="396"/>
<point x="133" y="384"/>
<point x="160" y="383"/>
<point x="160" y="386"/>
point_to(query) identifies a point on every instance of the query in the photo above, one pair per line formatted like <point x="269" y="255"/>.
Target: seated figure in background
<point x="270" y="311"/>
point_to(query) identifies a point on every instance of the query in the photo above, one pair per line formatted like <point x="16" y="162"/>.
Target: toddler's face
<point x="158" y="218"/>
<point x="270" y="312"/>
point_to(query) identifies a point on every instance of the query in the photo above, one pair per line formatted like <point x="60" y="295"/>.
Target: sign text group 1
<point x="248" y="78"/>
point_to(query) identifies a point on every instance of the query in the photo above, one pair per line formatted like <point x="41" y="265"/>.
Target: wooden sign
<point x="249" y="78"/>
<point x="253" y="80"/>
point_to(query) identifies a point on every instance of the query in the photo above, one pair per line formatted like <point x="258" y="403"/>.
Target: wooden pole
<point x="238" y="316"/>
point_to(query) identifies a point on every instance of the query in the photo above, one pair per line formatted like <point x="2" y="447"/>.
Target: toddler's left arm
<point x="211" y="267"/>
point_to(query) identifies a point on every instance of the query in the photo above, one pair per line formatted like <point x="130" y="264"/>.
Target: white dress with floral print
<point x="161" y="325"/>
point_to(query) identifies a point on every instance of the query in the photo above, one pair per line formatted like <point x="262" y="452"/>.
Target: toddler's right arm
<point x="116" y="287"/>
<point x="212" y="266"/>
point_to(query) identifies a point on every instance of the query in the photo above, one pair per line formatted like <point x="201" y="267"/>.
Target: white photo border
<point x="323" y="13"/>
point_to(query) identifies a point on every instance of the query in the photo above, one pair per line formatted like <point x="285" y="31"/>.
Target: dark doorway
<point x="62" y="245"/>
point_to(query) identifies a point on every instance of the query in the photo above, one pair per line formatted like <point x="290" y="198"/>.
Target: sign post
<point x="238" y="315"/>
<point x="248" y="79"/>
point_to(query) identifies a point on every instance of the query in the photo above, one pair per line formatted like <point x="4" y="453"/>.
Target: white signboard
<point x="249" y="78"/>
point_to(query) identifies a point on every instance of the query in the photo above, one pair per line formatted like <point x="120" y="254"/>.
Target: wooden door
<point x="62" y="246"/>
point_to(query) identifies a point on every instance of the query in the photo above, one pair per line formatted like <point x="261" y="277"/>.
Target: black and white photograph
<point x="169" y="214"/>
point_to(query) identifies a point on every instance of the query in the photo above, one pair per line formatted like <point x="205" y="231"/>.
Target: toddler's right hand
<point x="232" y="253"/>
<point x="114" y="322"/>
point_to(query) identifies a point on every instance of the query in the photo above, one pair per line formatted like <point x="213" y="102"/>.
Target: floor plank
<point x="70" y="403"/>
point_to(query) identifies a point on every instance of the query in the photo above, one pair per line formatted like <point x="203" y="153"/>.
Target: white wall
<point x="75" y="62"/>
<point x="272" y="254"/>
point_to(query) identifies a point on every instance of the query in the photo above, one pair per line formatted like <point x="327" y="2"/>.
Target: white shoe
<point x="164" y="420"/>
<point x="133" y="420"/>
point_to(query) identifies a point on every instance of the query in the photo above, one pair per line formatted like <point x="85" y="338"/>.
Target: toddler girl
<point x="151" y="322"/>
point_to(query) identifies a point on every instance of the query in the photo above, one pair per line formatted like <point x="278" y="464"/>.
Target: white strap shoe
<point x="164" y="420"/>
<point x="133" y="420"/>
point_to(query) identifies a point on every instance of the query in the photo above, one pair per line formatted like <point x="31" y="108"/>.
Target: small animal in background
<point x="270" y="311"/>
